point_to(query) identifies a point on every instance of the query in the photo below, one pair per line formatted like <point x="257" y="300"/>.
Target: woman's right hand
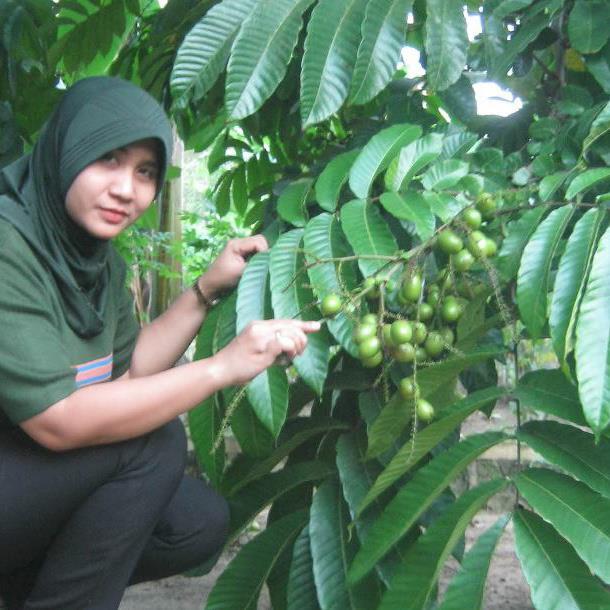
<point x="259" y="345"/>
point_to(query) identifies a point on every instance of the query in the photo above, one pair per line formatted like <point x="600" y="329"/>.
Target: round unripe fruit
<point x="369" y="347"/>
<point x="373" y="361"/>
<point x="486" y="204"/>
<point x="425" y="411"/>
<point x="472" y="217"/>
<point x="386" y="334"/>
<point x="407" y="387"/>
<point x="331" y="305"/>
<point x="434" y="344"/>
<point x="372" y="290"/>
<point x="426" y="311"/>
<point x="405" y="352"/>
<point x="421" y="355"/>
<point x="463" y="260"/>
<point x="420" y="332"/>
<point x="369" y="318"/>
<point x="411" y="289"/>
<point x="490" y="248"/>
<point x="448" y="336"/>
<point x="451" y="309"/>
<point x="390" y="286"/>
<point x="449" y="242"/>
<point x="476" y="244"/>
<point x="401" y="332"/>
<point x="434" y="296"/>
<point x="363" y="332"/>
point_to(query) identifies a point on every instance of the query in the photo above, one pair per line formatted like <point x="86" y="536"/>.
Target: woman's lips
<point x="112" y="216"/>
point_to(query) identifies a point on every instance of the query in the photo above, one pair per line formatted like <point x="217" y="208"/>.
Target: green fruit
<point x="420" y="332"/>
<point x="421" y="355"/>
<point x="426" y="312"/>
<point x="477" y="244"/>
<point x="490" y="248"/>
<point x="449" y="242"/>
<point x="405" y="352"/>
<point x="433" y="297"/>
<point x="472" y="217"/>
<point x="407" y="387"/>
<point x="462" y="261"/>
<point x="451" y="309"/>
<point x="486" y="204"/>
<point x="390" y="286"/>
<point x="434" y="344"/>
<point x="331" y="305"/>
<point x="411" y="289"/>
<point x="371" y="287"/>
<point x="369" y="347"/>
<point x="373" y="361"/>
<point x="369" y="318"/>
<point x="425" y="411"/>
<point x="363" y="332"/>
<point x="401" y="332"/>
<point x="448" y="336"/>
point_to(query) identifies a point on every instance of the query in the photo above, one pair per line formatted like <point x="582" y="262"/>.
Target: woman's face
<point x="114" y="191"/>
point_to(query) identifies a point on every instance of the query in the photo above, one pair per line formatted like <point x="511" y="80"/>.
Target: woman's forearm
<point x="162" y="342"/>
<point x="126" y="408"/>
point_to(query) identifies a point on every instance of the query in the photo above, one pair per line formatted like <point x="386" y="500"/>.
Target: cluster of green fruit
<point x="426" y="312"/>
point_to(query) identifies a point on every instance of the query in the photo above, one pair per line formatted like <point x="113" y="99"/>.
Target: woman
<point x="93" y="495"/>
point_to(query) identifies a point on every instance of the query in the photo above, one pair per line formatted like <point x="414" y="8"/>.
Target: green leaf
<point x="261" y="53"/>
<point x="223" y="195"/>
<point x="415" y="497"/>
<point x="253" y="438"/>
<point x="570" y="281"/>
<point x="416" y="579"/>
<point x="324" y="240"/>
<point x="239" y="586"/>
<point x="292" y="299"/>
<point x="592" y="348"/>
<point x="467" y="587"/>
<point x="388" y="425"/>
<point x="292" y="203"/>
<point x="550" y="392"/>
<point x="333" y="177"/>
<point x="586" y="27"/>
<point x="204" y="52"/>
<point x="296" y="433"/>
<point x="412" y="159"/>
<point x="332" y="549"/>
<point x="331" y="46"/>
<point x="506" y="7"/>
<point x="268" y="391"/>
<point x="586" y="180"/>
<point x="239" y="190"/>
<point x="549" y="185"/>
<point x="413" y="207"/>
<point x="377" y="154"/>
<point x="383" y="36"/>
<point x="557" y="577"/>
<point x="414" y="449"/>
<point x="446" y="43"/>
<point x="301" y="585"/>
<point x="535" y="267"/>
<point x="254" y="497"/>
<point x="368" y="235"/>
<point x="599" y="128"/>
<point x="573" y="450"/>
<point x="445" y="174"/>
<point x="578" y="513"/>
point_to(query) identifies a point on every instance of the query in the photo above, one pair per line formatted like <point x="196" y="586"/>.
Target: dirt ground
<point x="506" y="587"/>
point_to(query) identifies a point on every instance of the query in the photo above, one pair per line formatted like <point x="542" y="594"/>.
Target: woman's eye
<point x="150" y="173"/>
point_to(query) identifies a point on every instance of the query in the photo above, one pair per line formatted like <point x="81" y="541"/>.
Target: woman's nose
<point x="123" y="184"/>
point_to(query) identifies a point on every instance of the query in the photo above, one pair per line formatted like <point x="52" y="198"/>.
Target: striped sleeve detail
<point x="93" y="371"/>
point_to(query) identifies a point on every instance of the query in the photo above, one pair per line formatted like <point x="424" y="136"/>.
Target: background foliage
<point x="316" y="136"/>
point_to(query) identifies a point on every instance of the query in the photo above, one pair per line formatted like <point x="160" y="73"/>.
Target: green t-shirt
<point x="42" y="360"/>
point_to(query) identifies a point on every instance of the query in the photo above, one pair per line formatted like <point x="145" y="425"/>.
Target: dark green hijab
<point x="95" y="116"/>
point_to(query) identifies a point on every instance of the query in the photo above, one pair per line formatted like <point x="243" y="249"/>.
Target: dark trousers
<point x="76" y="528"/>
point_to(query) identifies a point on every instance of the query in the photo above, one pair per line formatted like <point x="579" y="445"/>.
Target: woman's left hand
<point x="225" y="271"/>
